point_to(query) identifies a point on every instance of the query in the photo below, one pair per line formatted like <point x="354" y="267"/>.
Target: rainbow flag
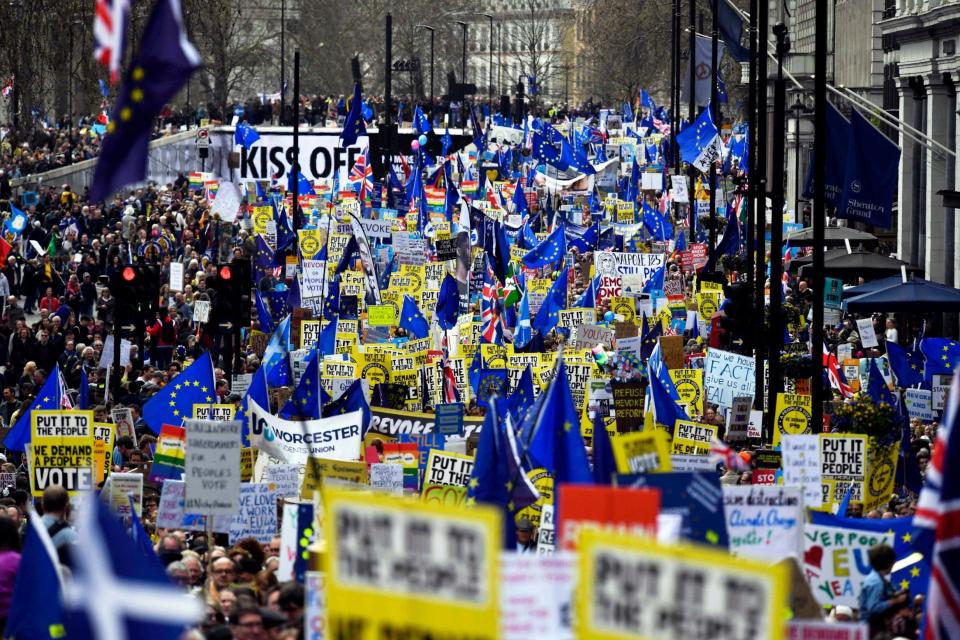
<point x="196" y="181"/>
<point x="169" y="460"/>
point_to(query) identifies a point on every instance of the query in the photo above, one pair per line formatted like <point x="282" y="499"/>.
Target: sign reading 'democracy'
<point x="612" y="267"/>
<point x="764" y="522"/>
<point x="635" y="587"/>
<point x="835" y="562"/>
<point x="292" y="441"/>
<point x="728" y="375"/>
<point x="320" y="156"/>
<point x="411" y="558"/>
<point x="212" y="467"/>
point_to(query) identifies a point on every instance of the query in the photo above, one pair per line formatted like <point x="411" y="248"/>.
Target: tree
<point x="542" y="29"/>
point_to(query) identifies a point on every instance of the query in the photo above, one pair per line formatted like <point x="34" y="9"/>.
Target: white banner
<point x="320" y="155"/>
<point x="293" y="441"/>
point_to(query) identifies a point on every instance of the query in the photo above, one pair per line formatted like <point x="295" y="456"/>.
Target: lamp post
<point x="463" y="62"/>
<point x="499" y="58"/>
<point x="430" y="29"/>
<point x="797" y="109"/>
<point x="489" y="17"/>
<point x="283" y="55"/>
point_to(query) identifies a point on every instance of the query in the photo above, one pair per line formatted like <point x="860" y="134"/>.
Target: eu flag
<point x="522" y="395"/>
<point x="48" y="397"/>
<point x="412" y="320"/>
<point x="604" y="465"/>
<point x="245" y="135"/>
<point x="35" y="610"/>
<point x="877" y="387"/>
<point x="655" y="224"/>
<point x="264" y="318"/>
<point x="420" y="122"/>
<point x="556" y="301"/>
<point x="907" y="366"/>
<point x="306" y="401"/>
<point x="556" y="443"/>
<point x="448" y="303"/>
<point x="164" y="63"/>
<point x="303" y="185"/>
<point x="941" y="356"/>
<point x="257" y="392"/>
<point x="353" y="126"/>
<point x="174" y="402"/>
<point x="666" y="411"/>
<point x="276" y="360"/>
<point x="548" y="252"/>
<point x="354" y="398"/>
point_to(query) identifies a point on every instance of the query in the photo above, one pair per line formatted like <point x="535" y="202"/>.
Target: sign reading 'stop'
<point x="320" y="155"/>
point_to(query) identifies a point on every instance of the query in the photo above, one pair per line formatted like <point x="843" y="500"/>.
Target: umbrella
<point x="832" y="236"/>
<point x="870" y="287"/>
<point x="796" y="263"/>
<point x="915" y="294"/>
<point x="860" y="264"/>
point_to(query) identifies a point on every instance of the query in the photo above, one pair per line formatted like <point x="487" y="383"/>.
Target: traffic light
<point x="738" y="309"/>
<point x="137" y="294"/>
<point x="231" y="309"/>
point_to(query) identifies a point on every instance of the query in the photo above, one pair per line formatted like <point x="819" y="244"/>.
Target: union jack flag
<point x="837" y="380"/>
<point x="721" y="451"/>
<point x="362" y="176"/>
<point x="491" y="313"/>
<point x="661" y="126"/>
<point x="937" y="520"/>
<point x="109" y="23"/>
<point x="8" y="87"/>
<point x="450" y="393"/>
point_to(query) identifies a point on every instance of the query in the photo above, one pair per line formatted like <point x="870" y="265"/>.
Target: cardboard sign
<point x="835" y="562"/>
<point x="728" y="375"/>
<point x="257" y="516"/>
<point x="642" y="452"/>
<point x="868" y="337"/>
<point x="793" y="415"/>
<point x="633" y="587"/>
<point x="843" y="458"/>
<point x="536" y="595"/>
<point x="689" y="384"/>
<point x="738" y="418"/>
<point x="629" y="511"/>
<point x="801" y="466"/>
<point x="122" y="486"/>
<point x="170" y="507"/>
<point x="628" y="404"/>
<point x="764" y="522"/>
<point x="920" y="404"/>
<point x="212" y="467"/>
<point x="62" y="450"/>
<point x="176" y="276"/>
<point x="369" y="537"/>
<point x="387" y="476"/>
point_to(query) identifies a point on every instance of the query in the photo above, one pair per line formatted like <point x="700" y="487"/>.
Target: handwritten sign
<point x="212" y="467"/>
<point x="764" y="522"/>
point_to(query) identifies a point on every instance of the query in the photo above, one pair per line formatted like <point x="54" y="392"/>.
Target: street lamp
<point x="798" y="109"/>
<point x="431" y="30"/>
<point x="490" y="68"/>
<point x="463" y="62"/>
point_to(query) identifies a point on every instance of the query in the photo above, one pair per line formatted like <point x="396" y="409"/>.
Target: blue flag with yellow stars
<point x="941" y="356"/>
<point x="174" y="402"/>
<point x="353" y="125"/>
<point x="522" y="395"/>
<point x="164" y="63"/>
<point x="245" y="135"/>
<point x="697" y="497"/>
<point x="49" y="397"/>
<point x="448" y="303"/>
<point x="412" y="321"/>
<point x="556" y="301"/>
<point x="308" y="398"/>
<point x="548" y="252"/>
<point x="262" y="261"/>
<point x="907" y="366"/>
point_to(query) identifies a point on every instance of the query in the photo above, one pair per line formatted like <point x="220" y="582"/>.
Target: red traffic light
<point x="225" y="273"/>
<point x="129" y="274"/>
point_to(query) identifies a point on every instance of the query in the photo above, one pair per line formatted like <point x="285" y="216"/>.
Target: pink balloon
<point x="415" y="144"/>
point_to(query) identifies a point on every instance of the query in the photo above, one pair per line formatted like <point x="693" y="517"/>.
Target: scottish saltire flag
<point x="941" y="356"/>
<point x="700" y="144"/>
<point x="245" y="135"/>
<point x="35" y="610"/>
<point x="412" y="320"/>
<point x="353" y="126"/>
<point x="50" y="397"/>
<point x="174" y="402"/>
<point x="548" y="252"/>
<point x="144" y="603"/>
<point x="907" y="366"/>
<point x="420" y="121"/>
<point x="555" y="301"/>
<point x="873" y="161"/>
<point x="109" y="29"/>
<point x="276" y="357"/>
<point x="17" y="222"/>
<point x="164" y="63"/>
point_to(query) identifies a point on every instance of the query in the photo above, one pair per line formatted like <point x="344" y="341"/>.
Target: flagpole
<point x="296" y="142"/>
<point x="692" y="100"/>
<point x="715" y="114"/>
<point x="750" y="189"/>
<point x="819" y="205"/>
<point x="759" y="154"/>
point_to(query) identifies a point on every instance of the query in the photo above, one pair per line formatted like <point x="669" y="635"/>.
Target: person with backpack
<point x="163" y="336"/>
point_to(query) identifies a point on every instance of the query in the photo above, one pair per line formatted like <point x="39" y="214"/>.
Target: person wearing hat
<point x="526" y="536"/>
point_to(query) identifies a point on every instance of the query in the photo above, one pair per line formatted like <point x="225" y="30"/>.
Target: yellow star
<point x="510" y="506"/>
<point x="509" y="485"/>
<point x="567" y="426"/>
<point x="204" y="389"/>
<point x="906" y="537"/>
<point x="172" y="403"/>
<point x="209" y="399"/>
<point x="473" y="483"/>
<point x="175" y="412"/>
<point x="196" y="383"/>
<point x="173" y="394"/>
<point x="136" y="95"/>
<point x="889" y="532"/>
<point x="177" y="386"/>
<point x="915" y="572"/>
<point x="904" y="585"/>
<point x="138" y="73"/>
<point x="46" y="398"/>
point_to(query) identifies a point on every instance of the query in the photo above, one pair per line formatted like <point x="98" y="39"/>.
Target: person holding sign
<point x="880" y="602"/>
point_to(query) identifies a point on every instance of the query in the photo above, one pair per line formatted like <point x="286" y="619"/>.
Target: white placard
<point x="387" y="477"/>
<point x="201" y="310"/>
<point x="680" y="193"/>
<point x="226" y="204"/>
<point x="834" y="562"/>
<point x="121" y="485"/>
<point x="212" y="467"/>
<point x="801" y="466"/>
<point x="920" y="404"/>
<point x="257" y="515"/>
<point x="286" y="477"/>
<point x="764" y="522"/>
<point x="176" y="276"/>
<point x="106" y="356"/>
<point x="868" y="338"/>
<point x="728" y="375"/>
<point x="536" y="595"/>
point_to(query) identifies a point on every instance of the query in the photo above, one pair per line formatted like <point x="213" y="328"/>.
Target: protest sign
<point x="628" y="404"/>
<point x="755" y="426"/>
<point x="449" y="418"/>
<point x="201" y="311"/>
<point x="215" y="412"/>
<point x="319" y="470"/>
<point x="611" y="267"/>
<point x="103" y="437"/>
<point x="633" y="587"/>
<point x="728" y="375"/>
<point x="590" y="335"/>
<point x="371" y="539"/>
<point x="920" y="404"/>
<point x="941" y="387"/>
<point x="284" y="477"/>
<point x="212" y="471"/>
<point x="445" y="468"/>
<point x="170" y="507"/>
<point x="381" y="315"/>
<point x="689" y="384"/>
<point x="314" y="606"/>
<point x="694" y="497"/>
<point x="387" y="476"/>
<point x="642" y="452"/>
<point x="293" y="441"/>
<point x="257" y="515"/>
<point x="62" y="451"/>
<point x="106" y="356"/>
<point x="738" y="418"/>
<point x="868" y="337"/>
<point x="692" y="438"/>
<point x="832" y="293"/>
<point x="122" y="486"/>
<point x="793" y="414"/>
<point x="764" y="522"/>
<point x="835" y="562"/>
<point x="815" y="630"/>
<point x="123" y="418"/>
<point x="536" y="594"/>
<point x="631" y="511"/>
<point x="546" y="531"/>
<point x="843" y="458"/>
<point x="176" y="276"/>
<point x="801" y="466"/>
<point x="879" y="483"/>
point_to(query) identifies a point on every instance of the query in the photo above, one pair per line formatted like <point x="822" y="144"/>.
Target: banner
<point x="635" y="587"/>
<point x="61" y="450"/>
<point x="764" y="522"/>
<point x="871" y="175"/>
<point x="212" y="467"/>
<point x="394" y="553"/>
<point x="793" y="413"/>
<point x="293" y="441"/>
<point x="320" y="156"/>
<point x="728" y="375"/>
<point x="695" y="497"/>
<point x="620" y="271"/>
<point x="630" y="511"/>
<point x="394" y="423"/>
<point x="835" y="562"/>
<point x="642" y="452"/>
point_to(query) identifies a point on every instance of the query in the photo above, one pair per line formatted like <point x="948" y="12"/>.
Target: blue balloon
<point x="422" y="139"/>
<point x="609" y="316"/>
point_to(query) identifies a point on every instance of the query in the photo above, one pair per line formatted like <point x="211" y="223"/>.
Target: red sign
<point x="695" y="257"/>
<point x="764" y="476"/>
<point x="632" y="511"/>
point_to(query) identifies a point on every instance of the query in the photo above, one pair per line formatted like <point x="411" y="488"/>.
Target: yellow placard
<point x="311" y="242"/>
<point x="793" y="415"/>
<point x="633" y="587"/>
<point x="216" y="412"/>
<point x="309" y="330"/>
<point x="625" y="307"/>
<point x="707" y="303"/>
<point x="318" y="469"/>
<point x="381" y="315"/>
<point x="461" y="544"/>
<point x="104" y="434"/>
<point x="642" y="451"/>
<point x="62" y="450"/>
<point x="689" y="384"/>
<point x="881" y="474"/>
<point x="693" y="438"/>
<point x="248" y="456"/>
<point x="261" y="215"/>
